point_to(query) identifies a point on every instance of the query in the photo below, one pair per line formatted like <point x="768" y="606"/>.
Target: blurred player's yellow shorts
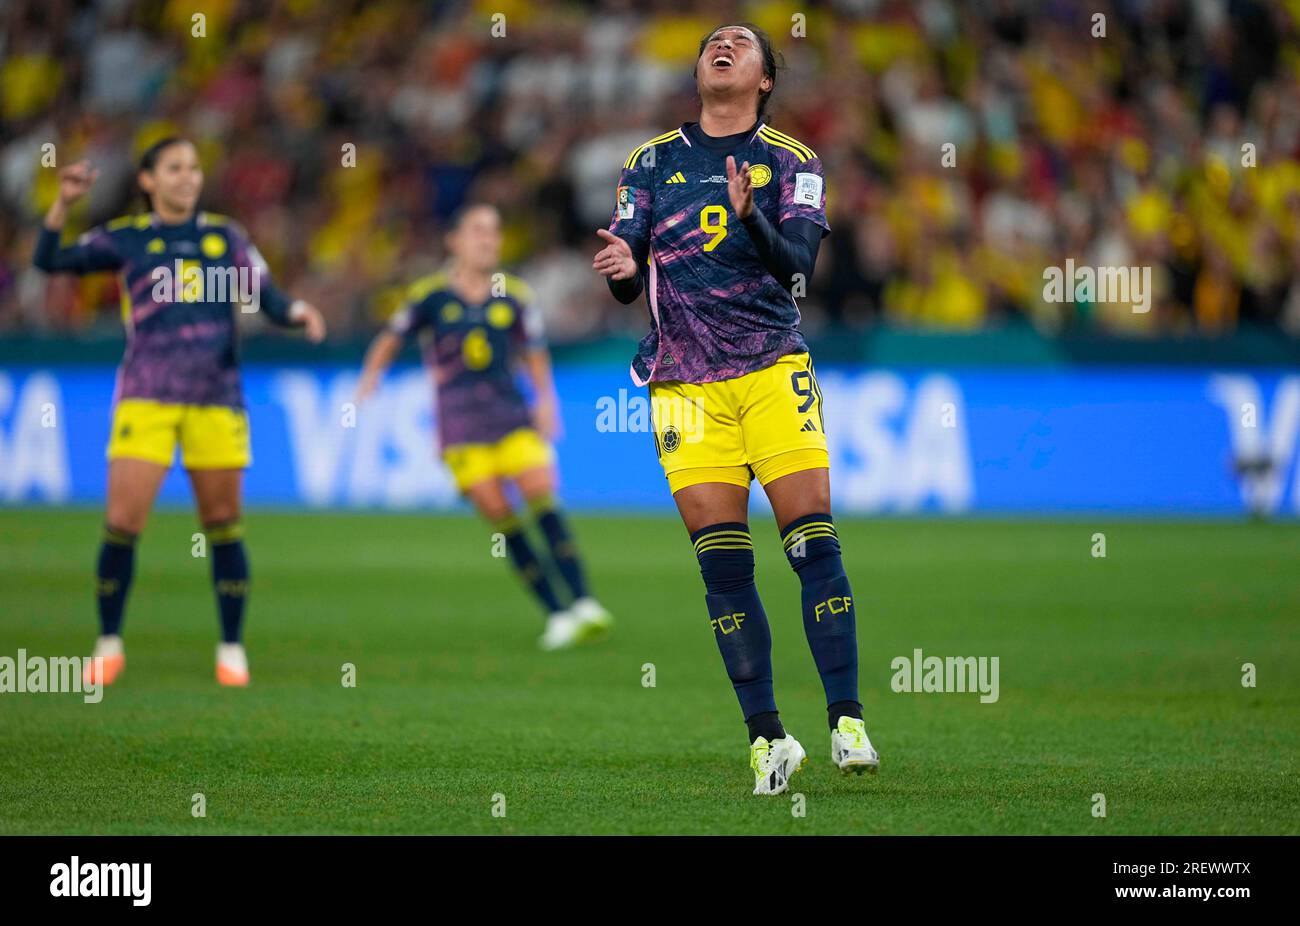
<point x="210" y="436"/>
<point x="766" y="424"/>
<point x="519" y="451"/>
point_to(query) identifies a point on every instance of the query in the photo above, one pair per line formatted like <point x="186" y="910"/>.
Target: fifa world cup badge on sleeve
<point x="625" y="205"/>
<point x="808" y="189"/>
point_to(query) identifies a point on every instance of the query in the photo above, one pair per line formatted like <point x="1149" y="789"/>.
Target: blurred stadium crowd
<point x="1119" y="150"/>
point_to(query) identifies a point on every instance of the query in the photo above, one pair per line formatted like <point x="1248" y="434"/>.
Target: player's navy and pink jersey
<point x="182" y="286"/>
<point x="715" y="311"/>
<point x="472" y="351"/>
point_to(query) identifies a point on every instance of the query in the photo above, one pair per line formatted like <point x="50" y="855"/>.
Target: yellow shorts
<point x="766" y="424"/>
<point x="519" y="451"/>
<point x="211" y="436"/>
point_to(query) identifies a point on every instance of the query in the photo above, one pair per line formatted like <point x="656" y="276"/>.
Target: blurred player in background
<point x="718" y="250"/>
<point x="479" y="327"/>
<point x="182" y="274"/>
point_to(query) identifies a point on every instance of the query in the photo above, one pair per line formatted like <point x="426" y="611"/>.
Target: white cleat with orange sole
<point x="232" y="665"/>
<point x="106" y="662"/>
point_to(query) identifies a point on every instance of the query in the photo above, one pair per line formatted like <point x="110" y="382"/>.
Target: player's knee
<point x="536" y="485"/>
<point x="215" y="514"/>
<point x="126" y="519"/>
<point x="498" y="513"/>
<point x="490" y="502"/>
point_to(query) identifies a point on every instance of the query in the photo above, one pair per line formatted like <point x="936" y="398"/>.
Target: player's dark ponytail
<point x="149" y="159"/>
<point x="773" y="61"/>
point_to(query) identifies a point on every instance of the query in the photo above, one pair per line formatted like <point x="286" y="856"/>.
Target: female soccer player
<point x="719" y="250"/>
<point x="182" y="273"/>
<point x="480" y="326"/>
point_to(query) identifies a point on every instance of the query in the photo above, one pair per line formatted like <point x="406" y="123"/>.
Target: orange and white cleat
<point x="232" y="665"/>
<point x="106" y="662"/>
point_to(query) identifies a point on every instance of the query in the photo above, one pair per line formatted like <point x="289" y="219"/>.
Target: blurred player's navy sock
<point x="229" y="576"/>
<point x="829" y="621"/>
<point x="526" y="562"/>
<point x="113" y="578"/>
<point x="726" y="555"/>
<point x="563" y="550"/>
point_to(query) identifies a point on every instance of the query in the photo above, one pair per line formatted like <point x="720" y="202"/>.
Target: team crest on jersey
<point x="155" y="246"/>
<point x="213" y="245"/>
<point x="760" y="174"/>
<point x="625" y="204"/>
<point x="452" y="312"/>
<point x="500" y="314"/>
<point x="672" y="438"/>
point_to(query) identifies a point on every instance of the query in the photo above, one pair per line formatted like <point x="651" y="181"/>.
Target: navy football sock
<point x="767" y="726"/>
<point x="726" y="555"/>
<point x="842" y="709"/>
<point x="229" y="577"/>
<point x="829" y="620"/>
<point x="563" y="550"/>
<point x="526" y="563"/>
<point x="113" y="574"/>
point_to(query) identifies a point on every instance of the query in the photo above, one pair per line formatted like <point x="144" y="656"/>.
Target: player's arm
<point x="380" y="355"/>
<point x="528" y="332"/>
<point x="96" y="250"/>
<point x="278" y="308"/>
<point x="387" y="345"/>
<point x="546" y="415"/>
<point x="627" y="240"/>
<point x="789" y="253"/>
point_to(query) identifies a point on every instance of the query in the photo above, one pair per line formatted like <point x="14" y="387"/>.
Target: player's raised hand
<point x="75" y="180"/>
<point x="740" y="188"/>
<point x="615" y="259"/>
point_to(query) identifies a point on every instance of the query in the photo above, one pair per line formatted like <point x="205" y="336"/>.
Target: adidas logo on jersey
<point x="676" y="178"/>
<point x="808" y="425"/>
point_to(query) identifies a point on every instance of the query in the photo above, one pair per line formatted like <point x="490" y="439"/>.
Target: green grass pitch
<point x="1119" y="676"/>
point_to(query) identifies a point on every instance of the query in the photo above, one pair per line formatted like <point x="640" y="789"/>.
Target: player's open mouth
<point x="723" y="61"/>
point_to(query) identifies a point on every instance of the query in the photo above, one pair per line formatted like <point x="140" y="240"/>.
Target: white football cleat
<point x="851" y="750"/>
<point x="112" y="660"/>
<point x="773" y="763"/>
<point x="595" y="620"/>
<point x="232" y="665"/>
<point x="563" y="631"/>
